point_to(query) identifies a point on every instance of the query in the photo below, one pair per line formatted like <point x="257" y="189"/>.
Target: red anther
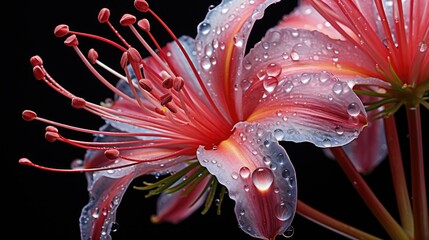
<point x="146" y="84"/>
<point x="71" y="41"/>
<point x="38" y="73"/>
<point x="127" y="19"/>
<point x="166" y="98"/>
<point x="134" y="55"/>
<point x="111" y="154"/>
<point x="124" y="60"/>
<point x="78" y="102"/>
<point x="51" y="136"/>
<point x="103" y="15"/>
<point x="29" y="115"/>
<point x="61" y="30"/>
<point x="36" y="61"/>
<point x="144" y="25"/>
<point x="51" y="129"/>
<point x="167" y="83"/>
<point x="141" y="5"/>
<point x="178" y="83"/>
<point x="160" y="111"/>
<point x="92" y="55"/>
<point x="171" y="107"/>
<point x="25" y="161"/>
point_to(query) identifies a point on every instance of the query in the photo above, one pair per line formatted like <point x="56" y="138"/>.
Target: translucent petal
<point x="259" y="177"/>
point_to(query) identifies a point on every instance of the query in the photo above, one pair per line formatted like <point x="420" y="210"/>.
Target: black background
<point x="47" y="205"/>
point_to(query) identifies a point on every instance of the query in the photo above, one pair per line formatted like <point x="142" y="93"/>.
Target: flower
<point x="391" y="37"/>
<point x="203" y="112"/>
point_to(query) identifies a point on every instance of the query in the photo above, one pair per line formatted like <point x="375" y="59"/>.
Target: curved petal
<point x="106" y="188"/>
<point x="259" y="177"/>
<point x="175" y="207"/>
<point x="304" y="16"/>
<point x="368" y="150"/>
<point x="221" y="44"/>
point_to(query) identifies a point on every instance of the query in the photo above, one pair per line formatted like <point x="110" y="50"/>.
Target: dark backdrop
<point x="47" y="205"/>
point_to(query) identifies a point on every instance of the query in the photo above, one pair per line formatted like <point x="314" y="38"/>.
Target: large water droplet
<point x="274" y="70"/>
<point x="353" y="109"/>
<point x="294" y="56"/>
<point x="337" y="88"/>
<point x="279" y="134"/>
<point x="284" y="211"/>
<point x="270" y="83"/>
<point x="205" y="28"/>
<point x="244" y="172"/>
<point x="262" y="178"/>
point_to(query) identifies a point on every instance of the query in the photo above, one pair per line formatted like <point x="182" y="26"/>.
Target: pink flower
<point x="203" y="112"/>
<point x="391" y="37"/>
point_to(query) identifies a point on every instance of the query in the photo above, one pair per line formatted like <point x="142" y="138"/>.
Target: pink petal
<point x="304" y="16"/>
<point x="175" y="207"/>
<point x="221" y="44"/>
<point x="106" y="188"/>
<point x="297" y="95"/>
<point x="259" y="177"/>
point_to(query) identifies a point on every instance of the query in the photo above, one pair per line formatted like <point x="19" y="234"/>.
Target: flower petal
<point x="259" y="177"/>
<point x="304" y="16"/>
<point x="221" y="44"/>
<point x="106" y="188"/>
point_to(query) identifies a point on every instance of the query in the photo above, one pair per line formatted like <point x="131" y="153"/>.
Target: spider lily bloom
<point x="203" y="112"/>
<point x="392" y="36"/>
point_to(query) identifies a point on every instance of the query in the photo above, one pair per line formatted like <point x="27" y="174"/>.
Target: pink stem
<point x="390" y="225"/>
<point x="418" y="186"/>
<point x="331" y="223"/>
<point x="398" y="176"/>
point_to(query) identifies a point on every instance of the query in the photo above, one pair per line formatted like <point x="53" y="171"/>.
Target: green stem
<point x="331" y="223"/>
<point x="418" y="186"/>
<point x="390" y="225"/>
<point x="398" y="176"/>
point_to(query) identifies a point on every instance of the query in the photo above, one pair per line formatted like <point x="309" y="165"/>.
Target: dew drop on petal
<point x="294" y="56"/>
<point x="205" y="28"/>
<point x="278" y="134"/>
<point x="353" y="109"/>
<point x="270" y="83"/>
<point x="234" y="175"/>
<point x="423" y="46"/>
<point x="289" y="232"/>
<point x="114" y="227"/>
<point x="262" y="178"/>
<point x="284" y="211"/>
<point x="274" y="70"/>
<point x="337" y="88"/>
<point x="288" y="86"/>
<point x="244" y="172"/>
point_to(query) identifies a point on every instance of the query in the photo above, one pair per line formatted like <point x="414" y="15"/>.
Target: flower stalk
<point x="398" y="176"/>
<point x="417" y="174"/>
<point x="328" y="222"/>
<point x="394" y="230"/>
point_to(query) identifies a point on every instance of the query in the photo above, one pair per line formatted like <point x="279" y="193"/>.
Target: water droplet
<point x="262" y="178"/>
<point x="205" y="63"/>
<point x="339" y="130"/>
<point x="289" y="232"/>
<point x="238" y="41"/>
<point x="270" y="84"/>
<point x="286" y="173"/>
<point x="337" y="88"/>
<point x="205" y="28"/>
<point x="234" y="175"/>
<point x="353" y="109"/>
<point x="288" y="86"/>
<point x="423" y="46"/>
<point x="96" y="213"/>
<point x="244" y="172"/>
<point x="279" y="134"/>
<point x="294" y="56"/>
<point x="327" y="143"/>
<point x="284" y="211"/>
<point x="114" y="227"/>
<point x="274" y="70"/>
<point x="305" y="78"/>
<point x="267" y="160"/>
